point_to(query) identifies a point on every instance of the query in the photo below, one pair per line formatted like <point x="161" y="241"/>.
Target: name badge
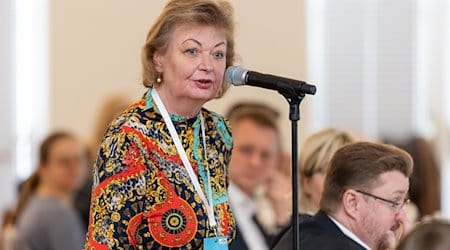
<point x="215" y="243"/>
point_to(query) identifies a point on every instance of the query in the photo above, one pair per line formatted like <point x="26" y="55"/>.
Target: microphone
<point x="237" y="76"/>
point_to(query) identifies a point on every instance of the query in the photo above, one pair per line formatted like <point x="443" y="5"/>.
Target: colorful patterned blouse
<point x="142" y="196"/>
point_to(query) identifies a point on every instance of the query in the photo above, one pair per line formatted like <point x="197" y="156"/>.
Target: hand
<point x="405" y="226"/>
<point x="389" y="242"/>
<point x="285" y="167"/>
<point x="397" y="233"/>
<point x="279" y="194"/>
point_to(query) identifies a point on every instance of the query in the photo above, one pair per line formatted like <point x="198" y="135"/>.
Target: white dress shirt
<point x="244" y="208"/>
<point x="349" y="233"/>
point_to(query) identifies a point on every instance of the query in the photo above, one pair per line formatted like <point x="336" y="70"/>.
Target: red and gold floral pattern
<point x="142" y="197"/>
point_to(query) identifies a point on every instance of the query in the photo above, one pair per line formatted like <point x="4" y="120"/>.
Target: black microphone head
<point x="236" y="75"/>
<point x="309" y="89"/>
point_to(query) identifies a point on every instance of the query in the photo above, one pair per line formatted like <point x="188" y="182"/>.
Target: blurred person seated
<point x="315" y="155"/>
<point x="431" y="235"/>
<point x="113" y="106"/>
<point x="8" y="232"/>
<point x="425" y="190"/>
<point x="365" y="189"/>
<point x="254" y="162"/>
<point x="44" y="216"/>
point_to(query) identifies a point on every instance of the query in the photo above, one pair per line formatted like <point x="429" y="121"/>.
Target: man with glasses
<point x="365" y="190"/>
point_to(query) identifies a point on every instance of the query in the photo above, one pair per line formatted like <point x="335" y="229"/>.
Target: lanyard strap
<point x="185" y="160"/>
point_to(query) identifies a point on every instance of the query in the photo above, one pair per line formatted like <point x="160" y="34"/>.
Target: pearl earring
<point x="158" y="79"/>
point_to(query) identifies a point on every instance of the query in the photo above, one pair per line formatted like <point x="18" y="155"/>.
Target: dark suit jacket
<point x="318" y="232"/>
<point x="239" y="243"/>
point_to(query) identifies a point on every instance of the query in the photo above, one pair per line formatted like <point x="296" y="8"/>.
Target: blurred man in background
<point x="255" y="165"/>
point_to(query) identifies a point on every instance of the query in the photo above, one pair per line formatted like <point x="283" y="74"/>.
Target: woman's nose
<point x="206" y="63"/>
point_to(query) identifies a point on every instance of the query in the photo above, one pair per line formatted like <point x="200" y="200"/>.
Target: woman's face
<point x="66" y="167"/>
<point x="313" y="186"/>
<point x="193" y="64"/>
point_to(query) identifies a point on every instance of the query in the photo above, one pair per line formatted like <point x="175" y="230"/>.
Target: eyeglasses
<point x="394" y="204"/>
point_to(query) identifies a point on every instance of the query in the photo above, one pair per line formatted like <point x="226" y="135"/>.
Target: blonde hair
<point x="218" y="13"/>
<point x="316" y="153"/>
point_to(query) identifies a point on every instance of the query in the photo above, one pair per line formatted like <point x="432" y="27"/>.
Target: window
<point x="32" y="77"/>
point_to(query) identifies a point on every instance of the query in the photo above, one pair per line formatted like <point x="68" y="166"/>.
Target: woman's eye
<point x="218" y="55"/>
<point x="190" y="52"/>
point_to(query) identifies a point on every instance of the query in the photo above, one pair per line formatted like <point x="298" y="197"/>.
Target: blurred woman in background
<point x="112" y="106"/>
<point x="425" y="182"/>
<point x="44" y="216"/>
<point x="315" y="154"/>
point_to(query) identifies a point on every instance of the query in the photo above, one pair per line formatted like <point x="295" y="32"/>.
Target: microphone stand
<point x="294" y="99"/>
<point x="294" y="92"/>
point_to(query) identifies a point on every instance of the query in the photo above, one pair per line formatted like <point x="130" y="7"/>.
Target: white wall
<point x="365" y="67"/>
<point x="271" y="39"/>
<point x="383" y="70"/>
<point x="432" y="67"/>
<point x="95" y="51"/>
<point x="6" y="104"/>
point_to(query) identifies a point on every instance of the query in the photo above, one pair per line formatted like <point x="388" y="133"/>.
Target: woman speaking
<point x="160" y="175"/>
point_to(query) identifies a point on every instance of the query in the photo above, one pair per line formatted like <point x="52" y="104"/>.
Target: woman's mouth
<point x="204" y="83"/>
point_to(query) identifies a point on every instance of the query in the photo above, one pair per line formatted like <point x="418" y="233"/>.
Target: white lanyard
<point x="184" y="158"/>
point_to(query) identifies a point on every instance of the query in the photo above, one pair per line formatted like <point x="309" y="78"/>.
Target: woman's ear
<point x="305" y="185"/>
<point x="42" y="171"/>
<point x="158" y="60"/>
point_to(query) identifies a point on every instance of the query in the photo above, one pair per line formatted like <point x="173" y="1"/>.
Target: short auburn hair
<point x="358" y="165"/>
<point x="217" y="13"/>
